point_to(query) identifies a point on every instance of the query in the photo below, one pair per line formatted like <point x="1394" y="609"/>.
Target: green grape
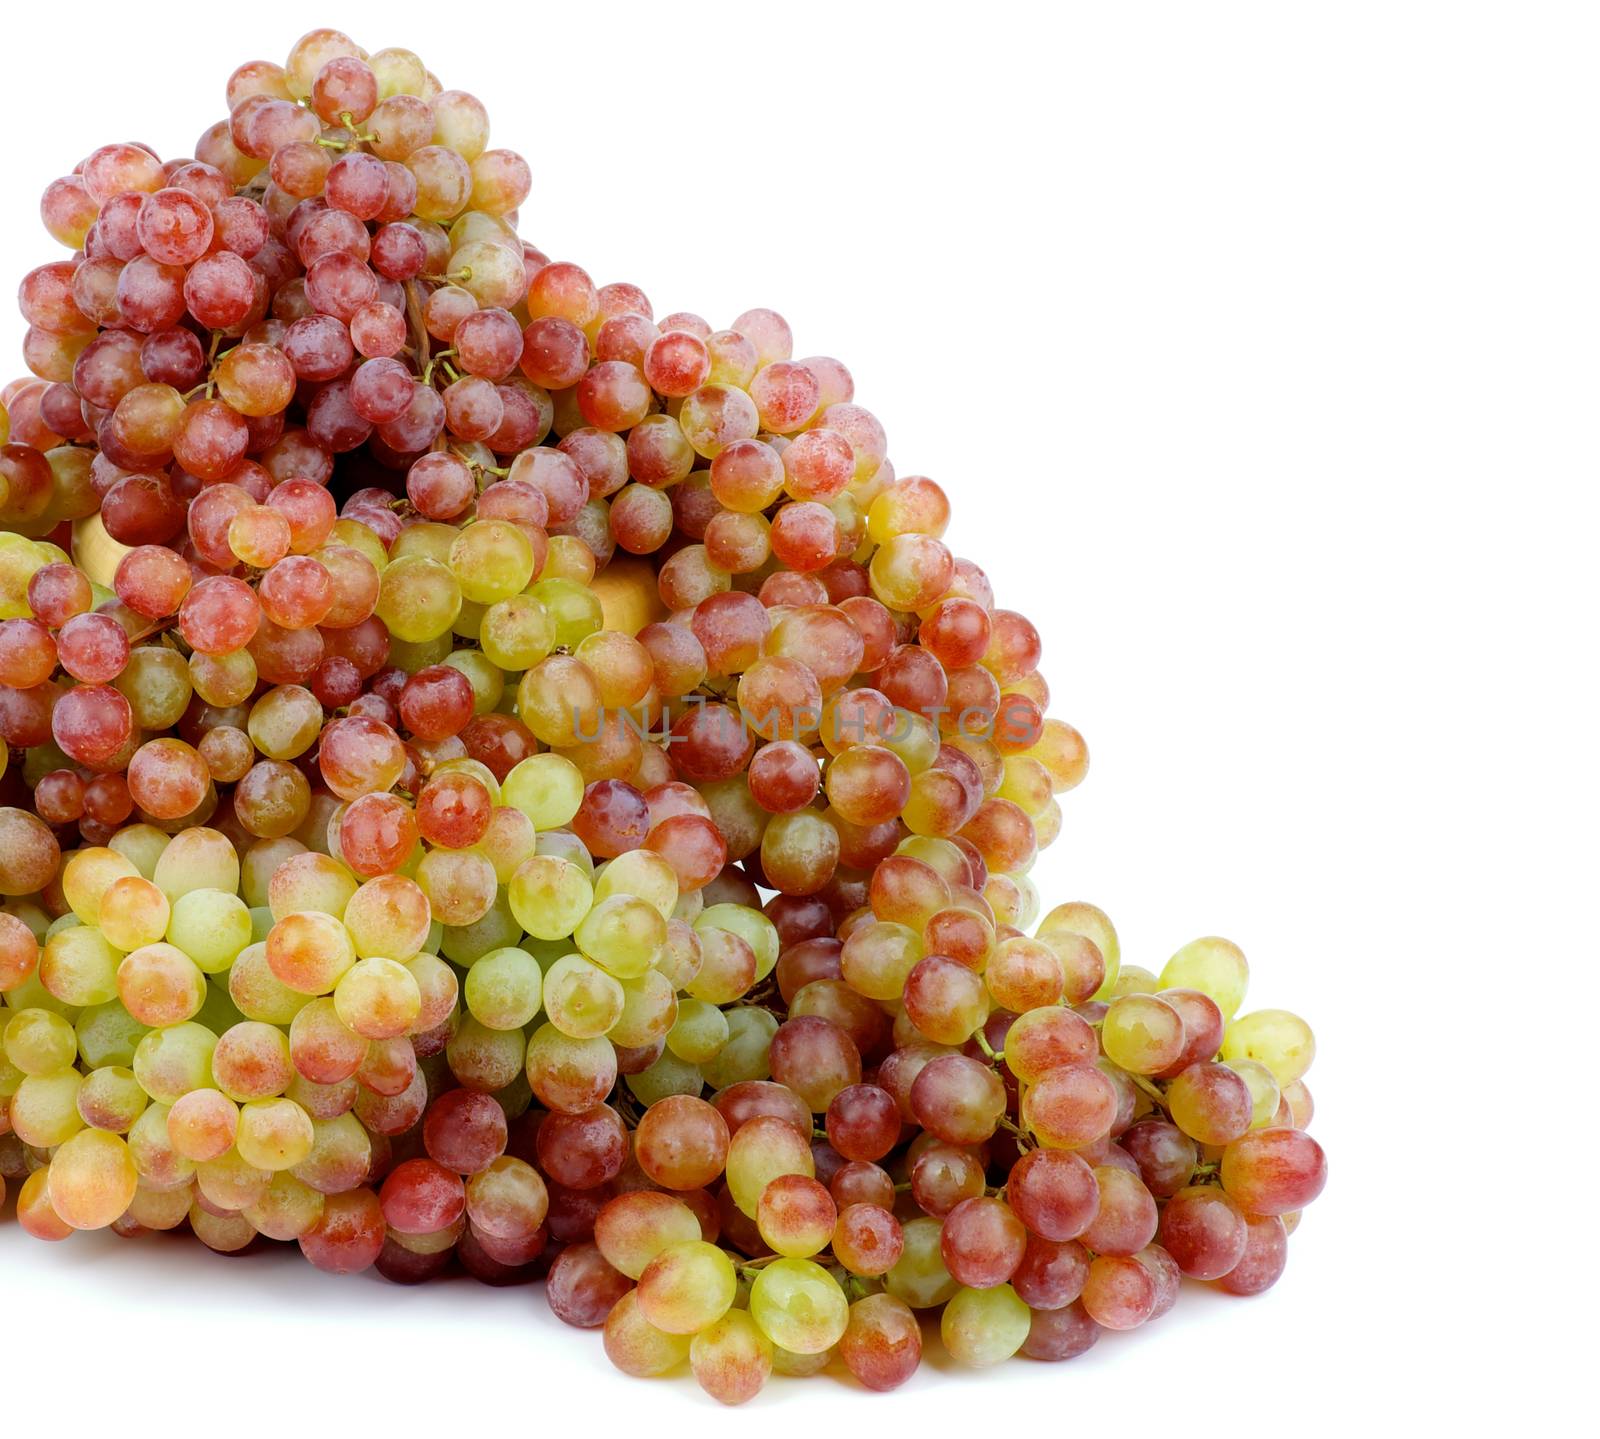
<point x="377" y="999"/>
<point x="428" y="539"/>
<point x="636" y="1346"/>
<point x="699" y="1033"/>
<point x="32" y="994"/>
<point x="108" y="1034"/>
<point x="1216" y="967"/>
<point x="550" y="897"/>
<point x="44" y="1110"/>
<point x="517" y="633"/>
<point x="503" y="989"/>
<point x="686" y="1287"/>
<point x="418" y="599"/>
<point x="1133" y="980"/>
<point x="194" y="859"/>
<point x="546" y="788"/>
<point x="798" y="1366"/>
<point x="1274" y="1037"/>
<point x="284" y="722"/>
<point x="563" y="844"/>
<point x="753" y="927"/>
<point x="746" y="1053"/>
<point x="287" y="1210"/>
<point x="39" y="1041"/>
<point x="914" y="738"/>
<point x="218" y="1012"/>
<point x="649" y="1009"/>
<point x="667" y="1076"/>
<point x="469" y="623"/>
<point x="210" y="927"/>
<point x="878" y="957"/>
<point x="642" y="873"/>
<point x="492" y="560"/>
<point x="414" y="655"/>
<point x="1265" y="1092"/>
<point x="435" y="1243"/>
<point x="919" y="1278"/>
<point x="582" y="1000"/>
<point x="230" y="1181"/>
<point x="574" y="609"/>
<point x="306" y="881"/>
<point x="488" y="683"/>
<point x="465" y="944"/>
<point x="274" y="1134"/>
<point x="981" y="1327"/>
<point x="1141" y="1034"/>
<point x="58" y="924"/>
<point x="170" y="1062"/>
<point x="760" y="1151"/>
<point x="623" y="935"/>
<point x="79" y="966"/>
<point x="797" y="1304"/>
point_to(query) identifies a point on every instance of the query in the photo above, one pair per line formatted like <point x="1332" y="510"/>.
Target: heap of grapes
<point x="497" y="778"/>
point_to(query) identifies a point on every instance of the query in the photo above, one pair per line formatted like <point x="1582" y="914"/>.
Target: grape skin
<point x="375" y="820"/>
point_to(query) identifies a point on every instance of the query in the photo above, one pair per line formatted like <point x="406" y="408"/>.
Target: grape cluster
<point x="496" y="778"/>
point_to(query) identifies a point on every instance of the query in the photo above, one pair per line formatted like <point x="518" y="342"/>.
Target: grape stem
<point x="498" y="471"/>
<point x="211" y="364"/>
<point x="1024" y="1140"/>
<point x="1150" y="1089"/>
<point x="995" y="1056"/>
<point x="419" y="328"/>
<point x="427" y="373"/>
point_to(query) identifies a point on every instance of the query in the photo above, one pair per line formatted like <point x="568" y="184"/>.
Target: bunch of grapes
<point x="497" y="778"/>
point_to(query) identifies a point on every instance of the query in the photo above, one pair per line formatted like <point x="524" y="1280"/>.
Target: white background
<point x="1257" y="347"/>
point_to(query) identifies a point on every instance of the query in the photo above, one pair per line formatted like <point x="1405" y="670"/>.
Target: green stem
<point x="439" y="359"/>
<point x="1150" y="1089"/>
